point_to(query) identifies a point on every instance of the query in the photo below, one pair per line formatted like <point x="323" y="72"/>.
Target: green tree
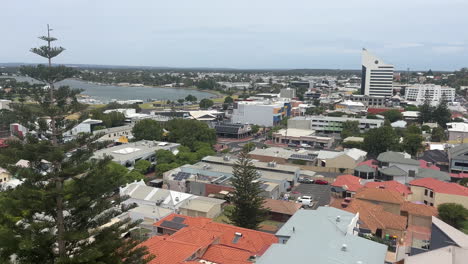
<point x="190" y="98"/>
<point x="57" y="214"/>
<point x="228" y="100"/>
<point x="188" y="131"/>
<point x="350" y="128"/>
<point x="380" y="139"/>
<point x="249" y="147"/>
<point x="255" y="129"/>
<point x="412" y="143"/>
<point x="181" y="100"/>
<point x="438" y="134"/>
<point x="164" y="156"/>
<point x="441" y="113"/>
<point x="206" y="103"/>
<point x="453" y="214"/>
<point x="248" y="209"/>
<point x="425" y="112"/>
<point x="392" y="115"/>
<point x="147" y="129"/>
<point x="142" y="166"/>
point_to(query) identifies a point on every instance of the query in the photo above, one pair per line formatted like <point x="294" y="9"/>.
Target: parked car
<point x="305" y="145"/>
<point x="305" y="200"/>
<point x="306" y="180"/>
<point x="292" y="145"/>
<point x="321" y="182"/>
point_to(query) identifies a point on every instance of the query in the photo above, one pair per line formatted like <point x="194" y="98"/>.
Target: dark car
<point x="306" y="180"/>
<point x="321" y="182"/>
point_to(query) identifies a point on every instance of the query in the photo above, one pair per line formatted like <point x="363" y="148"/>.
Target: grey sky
<point x="419" y="34"/>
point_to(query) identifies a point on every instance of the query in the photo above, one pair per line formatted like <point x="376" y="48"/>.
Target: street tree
<point x="380" y="139"/>
<point x="228" y="100"/>
<point x="248" y="211"/>
<point x="147" y="129"/>
<point x="453" y="214"/>
<point x="350" y="128"/>
<point x="190" y="98"/>
<point x="206" y="103"/>
<point x="58" y="214"/>
<point x="392" y="115"/>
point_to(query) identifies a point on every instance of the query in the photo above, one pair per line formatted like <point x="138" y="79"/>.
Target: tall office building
<point x="377" y="77"/>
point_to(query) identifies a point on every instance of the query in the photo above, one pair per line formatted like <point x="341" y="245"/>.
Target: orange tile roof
<point x="371" y="163"/>
<point x="418" y="209"/>
<point x="282" y="207"/>
<point x="348" y="182"/>
<point x="226" y="255"/>
<point x="202" y="234"/>
<point x="381" y="195"/>
<point x="168" y="251"/>
<point x="441" y="186"/>
<point x="372" y="215"/>
<point x="391" y="185"/>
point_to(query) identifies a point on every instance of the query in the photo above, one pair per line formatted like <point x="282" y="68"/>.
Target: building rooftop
<point x="332" y="241"/>
<point x="454" y="234"/>
<point x="380" y="195"/>
<point x="296" y="132"/>
<point x="396" y="157"/>
<point x="418" y="209"/>
<point x="258" y="164"/>
<point x="372" y="215"/>
<point x="282" y="207"/>
<point x="457" y="127"/>
<point x="431" y="173"/>
<point x="134" y="150"/>
<point x="348" y="182"/>
<point x="339" y="119"/>
<point x="449" y="254"/>
<point x="393" y="171"/>
<point x="441" y="186"/>
<point x="390" y="185"/>
<point x="435" y="156"/>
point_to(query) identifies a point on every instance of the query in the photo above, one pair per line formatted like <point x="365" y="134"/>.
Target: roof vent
<point x="338" y="218"/>
<point x="344" y="247"/>
<point x="238" y="234"/>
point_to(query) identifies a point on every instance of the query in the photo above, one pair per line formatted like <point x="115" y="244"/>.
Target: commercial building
<point x="350" y="106"/>
<point x="129" y="154"/>
<point x="186" y="239"/>
<point x="457" y="132"/>
<point x="263" y="113"/>
<point x="228" y="130"/>
<point x="115" y="134"/>
<point x="325" y="235"/>
<point x="377" y="77"/>
<point x="368" y="101"/>
<point x="86" y="126"/>
<point x="418" y="93"/>
<point x="302" y="136"/>
<point x="328" y="124"/>
<point x="288" y="93"/>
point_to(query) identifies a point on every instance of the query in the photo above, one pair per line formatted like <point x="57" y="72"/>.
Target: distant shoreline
<point x="214" y="93"/>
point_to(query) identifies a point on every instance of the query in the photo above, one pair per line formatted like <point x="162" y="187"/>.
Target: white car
<point x="305" y="200"/>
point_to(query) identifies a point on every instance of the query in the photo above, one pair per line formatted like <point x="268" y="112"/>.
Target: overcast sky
<point x="419" y="34"/>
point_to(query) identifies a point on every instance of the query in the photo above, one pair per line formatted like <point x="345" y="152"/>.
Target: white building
<point x="457" y="131"/>
<point x="350" y="106"/>
<point x="84" y="127"/>
<point x="288" y="93"/>
<point x="377" y="77"/>
<point x="5" y="104"/>
<point x="434" y="93"/>
<point x="262" y="113"/>
<point x="329" y="124"/>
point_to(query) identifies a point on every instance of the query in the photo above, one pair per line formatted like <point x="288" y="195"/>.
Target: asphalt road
<point x="320" y="193"/>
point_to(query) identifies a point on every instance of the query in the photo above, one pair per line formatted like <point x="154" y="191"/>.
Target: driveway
<point x="320" y="193"/>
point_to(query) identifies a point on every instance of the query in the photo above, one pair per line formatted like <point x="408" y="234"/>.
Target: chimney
<point x="344" y="247"/>
<point x="238" y="234"/>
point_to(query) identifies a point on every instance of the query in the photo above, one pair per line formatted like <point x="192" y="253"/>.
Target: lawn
<point x="224" y="219"/>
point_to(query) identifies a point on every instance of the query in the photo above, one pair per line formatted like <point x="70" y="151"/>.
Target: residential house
<point x="347" y="159"/>
<point x="280" y="210"/>
<point x="396" y="166"/>
<point x="200" y="240"/>
<point x="457" y="132"/>
<point x="325" y="235"/>
<point x="458" y="158"/>
<point x="5" y="176"/>
<point x="434" y="192"/>
<point x="87" y="126"/>
<point x="346" y="186"/>
<point x="302" y="136"/>
<point x="436" y="157"/>
<point x="367" y="169"/>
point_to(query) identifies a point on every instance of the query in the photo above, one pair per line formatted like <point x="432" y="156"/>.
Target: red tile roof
<point x="424" y="164"/>
<point x="371" y="163"/>
<point x="441" y="186"/>
<point x="189" y="243"/>
<point x="226" y="255"/>
<point x="419" y="209"/>
<point x="460" y="175"/>
<point x="372" y="215"/>
<point x="282" y="207"/>
<point x="381" y="195"/>
<point x="390" y="185"/>
<point x="348" y="182"/>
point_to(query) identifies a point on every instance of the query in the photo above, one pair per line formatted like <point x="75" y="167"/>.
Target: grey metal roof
<point x="459" y="150"/>
<point x="435" y="156"/>
<point x="172" y="225"/>
<point x="393" y="171"/>
<point x="428" y="173"/>
<point x="316" y="237"/>
<point x="395" y="157"/>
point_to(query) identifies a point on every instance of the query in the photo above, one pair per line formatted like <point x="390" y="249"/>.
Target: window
<point x="425" y="202"/>
<point x="425" y="192"/>
<point x="432" y="204"/>
<point x="431" y="194"/>
<point x="461" y="164"/>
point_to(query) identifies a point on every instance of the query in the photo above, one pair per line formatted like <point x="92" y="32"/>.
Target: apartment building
<point x="434" y="93"/>
<point x="328" y="124"/>
<point x="263" y="113"/>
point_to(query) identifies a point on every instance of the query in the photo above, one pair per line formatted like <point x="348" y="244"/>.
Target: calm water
<point x="106" y="93"/>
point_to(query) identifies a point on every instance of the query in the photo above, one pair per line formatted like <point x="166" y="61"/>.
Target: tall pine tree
<point x="60" y="211"/>
<point x="248" y="209"/>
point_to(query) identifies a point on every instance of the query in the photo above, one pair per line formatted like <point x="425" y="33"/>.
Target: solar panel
<point x="178" y="219"/>
<point x="172" y="225"/>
